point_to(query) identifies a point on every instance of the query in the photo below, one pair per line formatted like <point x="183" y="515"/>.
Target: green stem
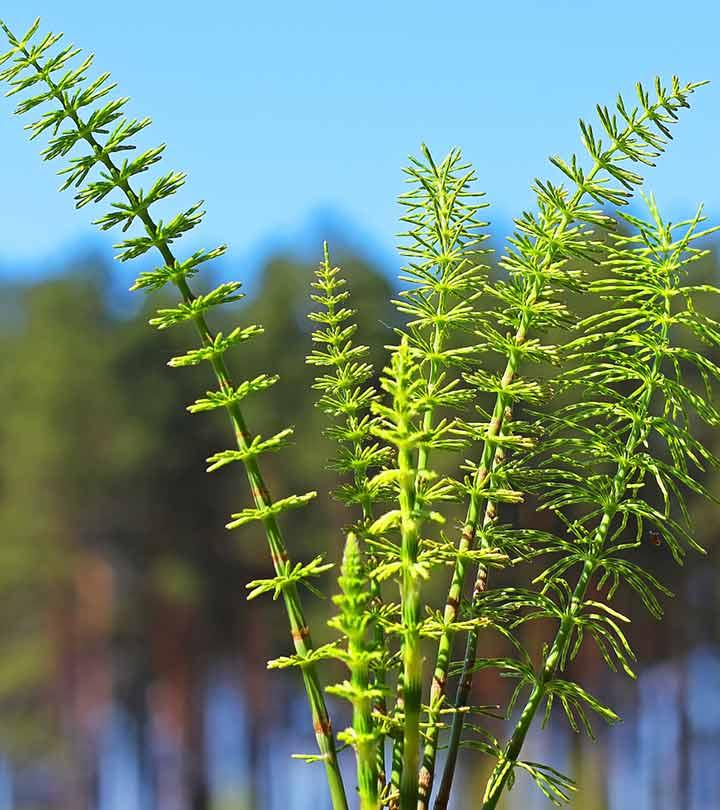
<point x="379" y="672"/>
<point x="367" y="765"/>
<point x="462" y="695"/>
<point x="401" y="754"/>
<point x="379" y="680"/>
<point x="491" y="456"/>
<point x="438" y="341"/>
<point x="411" y="607"/>
<point x="465" y="682"/>
<point x="470" y="528"/>
<point x="298" y="625"/>
<point x="638" y="434"/>
<point x="364" y="727"/>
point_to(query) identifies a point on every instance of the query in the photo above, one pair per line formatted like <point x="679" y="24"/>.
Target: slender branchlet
<point x="77" y="113"/>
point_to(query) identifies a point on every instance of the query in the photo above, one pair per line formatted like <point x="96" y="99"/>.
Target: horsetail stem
<point x="543" y="252"/>
<point x="465" y="682"/>
<point x="264" y="504"/>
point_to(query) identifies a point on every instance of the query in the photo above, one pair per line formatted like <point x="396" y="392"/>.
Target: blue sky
<point x="295" y="119"/>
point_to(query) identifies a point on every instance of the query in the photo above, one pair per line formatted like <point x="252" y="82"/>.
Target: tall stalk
<point x="652" y="275"/>
<point x="491" y="456"/>
<point x="444" y="238"/>
<point x="552" y="240"/>
<point x="463" y="688"/>
<point x="138" y="208"/>
<point x="403" y="387"/>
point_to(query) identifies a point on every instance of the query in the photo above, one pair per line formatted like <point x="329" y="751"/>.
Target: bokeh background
<point x="131" y="667"/>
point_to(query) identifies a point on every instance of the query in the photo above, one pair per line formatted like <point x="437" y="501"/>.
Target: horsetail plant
<point x="628" y="432"/>
<point x="347" y="396"/>
<point x="105" y="133"/>
<point x="475" y="411"/>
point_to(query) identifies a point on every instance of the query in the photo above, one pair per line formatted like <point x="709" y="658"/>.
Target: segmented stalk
<point x="411" y="608"/>
<point x="399" y="427"/>
<point x="661" y="113"/>
<point x="264" y="503"/>
<point x="464" y="684"/>
<point x="491" y="457"/>
<point x="557" y="651"/>
<point x="445" y="235"/>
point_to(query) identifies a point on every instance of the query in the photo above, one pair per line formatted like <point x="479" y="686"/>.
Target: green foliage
<point x="595" y="428"/>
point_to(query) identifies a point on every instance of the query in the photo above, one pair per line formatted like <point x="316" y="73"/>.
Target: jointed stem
<point x="462" y="695"/>
<point x="298" y="625"/>
<point x="379" y="678"/>
<point x="379" y="673"/>
<point x="353" y="623"/>
<point x="492" y="455"/>
<point x="409" y="757"/>
<point x="638" y="434"/>
<point x="470" y="528"/>
<point x="411" y="619"/>
<point x="465" y="682"/>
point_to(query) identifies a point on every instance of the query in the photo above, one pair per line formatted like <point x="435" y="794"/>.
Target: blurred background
<point x="131" y="667"/>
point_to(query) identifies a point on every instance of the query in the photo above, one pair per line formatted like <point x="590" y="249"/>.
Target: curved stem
<point x="492" y="455"/>
<point x="298" y="625"/>
<point x="638" y="434"/>
<point x="465" y="682"/>
<point x="470" y="528"/>
<point x="408" y="757"/>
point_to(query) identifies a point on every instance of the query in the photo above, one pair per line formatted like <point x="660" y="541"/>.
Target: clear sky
<point x="294" y="119"/>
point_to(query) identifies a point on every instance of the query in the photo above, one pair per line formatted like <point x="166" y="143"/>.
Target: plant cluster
<point x="595" y="428"/>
